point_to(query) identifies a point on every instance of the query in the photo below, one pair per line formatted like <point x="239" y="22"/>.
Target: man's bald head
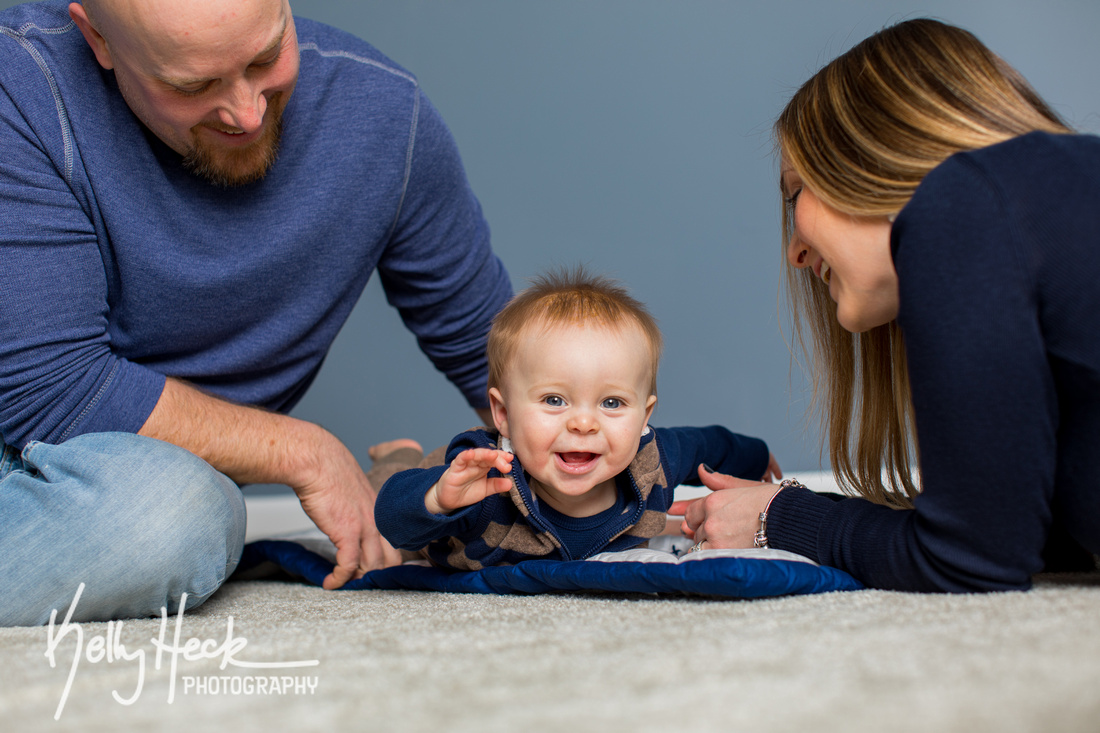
<point x="208" y="78"/>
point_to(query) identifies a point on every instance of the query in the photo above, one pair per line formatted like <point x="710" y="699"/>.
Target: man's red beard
<point x="228" y="167"/>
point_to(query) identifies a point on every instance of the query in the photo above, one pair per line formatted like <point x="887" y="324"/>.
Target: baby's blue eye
<point x="554" y="401"/>
<point x="612" y="403"/>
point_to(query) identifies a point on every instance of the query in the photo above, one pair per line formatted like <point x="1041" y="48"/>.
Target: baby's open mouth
<point x="578" y="462"/>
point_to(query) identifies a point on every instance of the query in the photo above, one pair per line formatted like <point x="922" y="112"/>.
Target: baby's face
<point x="574" y="404"/>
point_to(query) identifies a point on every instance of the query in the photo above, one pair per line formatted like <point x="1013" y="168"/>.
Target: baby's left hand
<point x="466" y="481"/>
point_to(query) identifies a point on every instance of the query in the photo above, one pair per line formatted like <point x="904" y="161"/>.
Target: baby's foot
<point x="384" y="450"/>
<point x="391" y="457"/>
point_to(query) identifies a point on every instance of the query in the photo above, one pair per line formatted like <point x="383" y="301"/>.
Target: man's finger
<point x="372" y="554"/>
<point x="392" y="555"/>
<point x="377" y="553"/>
<point x="347" y="563"/>
<point x="337" y="578"/>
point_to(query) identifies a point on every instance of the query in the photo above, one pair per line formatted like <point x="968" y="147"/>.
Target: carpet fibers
<point x="410" y="661"/>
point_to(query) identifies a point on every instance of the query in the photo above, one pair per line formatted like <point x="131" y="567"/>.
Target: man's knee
<point x="138" y="521"/>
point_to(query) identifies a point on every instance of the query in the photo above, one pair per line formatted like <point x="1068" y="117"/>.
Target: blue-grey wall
<point x="634" y="136"/>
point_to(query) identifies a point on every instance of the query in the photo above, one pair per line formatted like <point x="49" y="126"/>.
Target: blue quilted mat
<point x="723" y="573"/>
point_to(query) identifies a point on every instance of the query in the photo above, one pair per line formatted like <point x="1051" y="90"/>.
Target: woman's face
<point x="851" y="255"/>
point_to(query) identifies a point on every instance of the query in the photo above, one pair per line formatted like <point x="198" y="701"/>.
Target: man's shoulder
<point x="49" y="16"/>
<point x="48" y="72"/>
<point x="325" y="45"/>
<point x="36" y="33"/>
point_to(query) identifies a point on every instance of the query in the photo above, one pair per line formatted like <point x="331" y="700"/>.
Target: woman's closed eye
<point x="792" y="200"/>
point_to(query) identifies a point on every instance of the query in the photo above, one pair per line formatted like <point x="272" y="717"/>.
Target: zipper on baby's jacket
<point x="535" y="517"/>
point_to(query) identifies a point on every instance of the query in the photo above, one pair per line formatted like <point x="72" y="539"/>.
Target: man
<point x="192" y="197"/>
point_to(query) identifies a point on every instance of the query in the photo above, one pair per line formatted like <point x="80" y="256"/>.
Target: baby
<point x="573" y="467"/>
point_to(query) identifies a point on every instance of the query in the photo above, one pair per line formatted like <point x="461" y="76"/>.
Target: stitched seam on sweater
<point x="62" y="114"/>
<point x="408" y="165"/>
<point x="361" y="59"/>
<point x="415" y="116"/>
<point x="95" y="401"/>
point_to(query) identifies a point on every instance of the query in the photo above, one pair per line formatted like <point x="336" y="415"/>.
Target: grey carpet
<point x="409" y="661"/>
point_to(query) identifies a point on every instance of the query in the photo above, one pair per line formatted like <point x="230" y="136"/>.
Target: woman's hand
<point x="772" y="473"/>
<point x="729" y="517"/>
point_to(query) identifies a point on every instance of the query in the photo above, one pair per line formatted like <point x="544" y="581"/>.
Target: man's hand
<point x="466" y="481"/>
<point x="254" y="446"/>
<point x="340" y="501"/>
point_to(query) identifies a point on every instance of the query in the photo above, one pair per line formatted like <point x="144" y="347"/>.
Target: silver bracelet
<point x="760" y="539"/>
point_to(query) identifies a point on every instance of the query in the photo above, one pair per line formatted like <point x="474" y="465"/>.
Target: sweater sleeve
<point x="984" y="401"/>
<point x="683" y="449"/>
<point x="402" y="518"/>
<point x="58" y="375"/>
<point x="439" y="270"/>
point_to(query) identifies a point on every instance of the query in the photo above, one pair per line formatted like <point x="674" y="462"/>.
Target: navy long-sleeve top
<point x="998" y="263"/>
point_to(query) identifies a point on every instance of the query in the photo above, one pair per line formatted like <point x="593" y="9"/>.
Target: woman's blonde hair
<point x="861" y="134"/>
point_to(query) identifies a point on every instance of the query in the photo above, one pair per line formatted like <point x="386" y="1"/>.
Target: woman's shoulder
<point x="1032" y="195"/>
<point x="1027" y="171"/>
<point x="1040" y="148"/>
<point x="1035" y="160"/>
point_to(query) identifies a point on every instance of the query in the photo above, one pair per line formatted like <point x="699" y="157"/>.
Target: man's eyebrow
<point x="183" y="82"/>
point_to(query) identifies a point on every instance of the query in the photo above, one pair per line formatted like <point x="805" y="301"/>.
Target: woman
<point x="941" y="235"/>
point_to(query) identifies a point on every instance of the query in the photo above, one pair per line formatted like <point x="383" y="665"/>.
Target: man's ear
<point x="500" y="412"/>
<point x="97" y="42"/>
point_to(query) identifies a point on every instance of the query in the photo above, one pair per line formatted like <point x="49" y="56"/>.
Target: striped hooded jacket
<point x="508" y="528"/>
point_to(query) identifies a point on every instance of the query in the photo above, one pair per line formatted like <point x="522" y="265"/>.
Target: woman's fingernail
<point x="707" y="468"/>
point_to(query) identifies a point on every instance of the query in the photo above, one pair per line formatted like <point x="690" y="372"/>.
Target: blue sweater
<point x="121" y="267"/>
<point x="504" y="529"/>
<point x="999" y="275"/>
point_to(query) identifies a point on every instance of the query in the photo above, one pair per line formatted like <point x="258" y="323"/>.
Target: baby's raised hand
<point x="466" y="481"/>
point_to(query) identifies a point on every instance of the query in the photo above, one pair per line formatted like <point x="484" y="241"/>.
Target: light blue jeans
<point x="136" y="520"/>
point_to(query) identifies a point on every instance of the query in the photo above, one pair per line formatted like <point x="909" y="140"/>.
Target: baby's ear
<point x="650" y="405"/>
<point x="500" y="412"/>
